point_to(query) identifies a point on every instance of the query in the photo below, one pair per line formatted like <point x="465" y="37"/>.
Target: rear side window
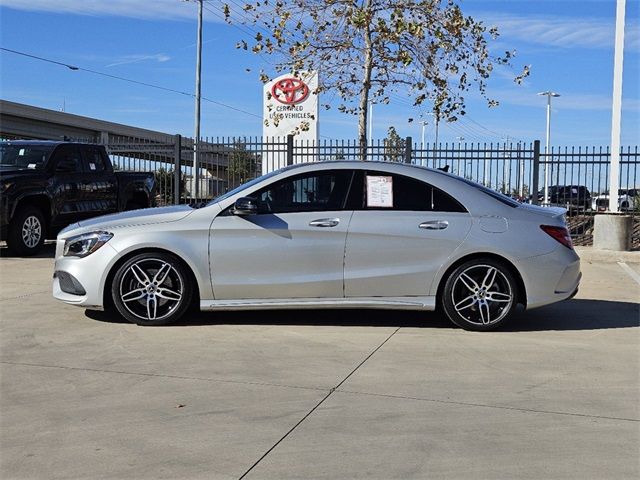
<point x="408" y="194"/>
<point x="93" y="160"/>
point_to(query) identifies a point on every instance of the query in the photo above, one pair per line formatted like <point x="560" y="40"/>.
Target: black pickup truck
<point x="46" y="185"/>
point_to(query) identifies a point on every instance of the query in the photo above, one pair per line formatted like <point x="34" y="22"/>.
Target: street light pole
<point x="548" y="94"/>
<point x="196" y="135"/>
<point x="371" y="102"/>
<point x="424" y="124"/>
<point x="616" y="115"/>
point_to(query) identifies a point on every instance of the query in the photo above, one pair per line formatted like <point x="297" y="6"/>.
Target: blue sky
<point x="568" y="43"/>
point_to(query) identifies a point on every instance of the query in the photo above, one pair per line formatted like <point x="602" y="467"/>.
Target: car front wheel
<point x="479" y="294"/>
<point x="152" y="289"/>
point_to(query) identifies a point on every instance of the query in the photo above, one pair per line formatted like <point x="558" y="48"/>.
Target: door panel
<point x="278" y="255"/>
<point x="100" y="188"/>
<point x="389" y="254"/>
<point x="67" y="185"/>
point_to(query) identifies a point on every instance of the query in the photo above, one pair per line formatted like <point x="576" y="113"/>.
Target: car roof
<point x="366" y="165"/>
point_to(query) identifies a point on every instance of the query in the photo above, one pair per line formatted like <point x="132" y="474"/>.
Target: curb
<point x="589" y="254"/>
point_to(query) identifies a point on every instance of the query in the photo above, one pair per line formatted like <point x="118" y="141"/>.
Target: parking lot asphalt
<point x="320" y="394"/>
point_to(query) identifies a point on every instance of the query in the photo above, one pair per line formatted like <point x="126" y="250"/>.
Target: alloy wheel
<point x="31" y="231"/>
<point x="482" y="295"/>
<point x="151" y="289"/>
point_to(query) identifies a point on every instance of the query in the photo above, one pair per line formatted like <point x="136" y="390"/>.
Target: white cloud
<point x="146" y="9"/>
<point x="127" y="59"/>
<point x="566" y="32"/>
<point x="577" y="101"/>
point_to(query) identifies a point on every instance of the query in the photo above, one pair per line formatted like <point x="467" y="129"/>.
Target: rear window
<point x="501" y="197"/>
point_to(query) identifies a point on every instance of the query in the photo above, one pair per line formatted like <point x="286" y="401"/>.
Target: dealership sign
<point x="291" y="107"/>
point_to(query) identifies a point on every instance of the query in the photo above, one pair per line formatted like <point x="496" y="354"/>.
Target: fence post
<point x="289" y="149"/>
<point x="535" y="173"/>
<point x="177" y="168"/>
<point x="408" y="145"/>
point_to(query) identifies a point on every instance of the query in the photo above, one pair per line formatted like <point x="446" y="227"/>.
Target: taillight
<point x="561" y="234"/>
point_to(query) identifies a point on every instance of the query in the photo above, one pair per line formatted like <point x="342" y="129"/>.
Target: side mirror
<point x="245" y="206"/>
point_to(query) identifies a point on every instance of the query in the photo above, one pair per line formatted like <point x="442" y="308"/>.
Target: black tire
<point x="145" y="293"/>
<point x="27" y="231"/>
<point x="133" y="206"/>
<point x="480" y="294"/>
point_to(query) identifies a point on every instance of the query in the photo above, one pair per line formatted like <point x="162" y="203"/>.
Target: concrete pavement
<point x="324" y="394"/>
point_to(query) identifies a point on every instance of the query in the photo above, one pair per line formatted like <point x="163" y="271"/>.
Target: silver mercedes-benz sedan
<point x="325" y="235"/>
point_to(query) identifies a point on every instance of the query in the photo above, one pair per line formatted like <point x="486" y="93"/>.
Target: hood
<point x="145" y="216"/>
<point x="549" y="212"/>
<point x="7" y="171"/>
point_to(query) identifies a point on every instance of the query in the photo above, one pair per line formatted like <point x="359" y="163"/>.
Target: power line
<point x="129" y="80"/>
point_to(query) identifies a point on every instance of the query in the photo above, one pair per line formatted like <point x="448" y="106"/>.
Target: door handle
<point x="434" y="225"/>
<point x="325" y="222"/>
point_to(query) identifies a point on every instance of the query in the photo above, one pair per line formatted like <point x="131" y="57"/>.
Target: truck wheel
<point x="27" y="231"/>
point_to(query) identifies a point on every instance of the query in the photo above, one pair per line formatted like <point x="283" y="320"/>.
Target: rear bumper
<point x="550" y="278"/>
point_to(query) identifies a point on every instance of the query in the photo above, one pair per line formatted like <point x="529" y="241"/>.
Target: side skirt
<point x="393" y="303"/>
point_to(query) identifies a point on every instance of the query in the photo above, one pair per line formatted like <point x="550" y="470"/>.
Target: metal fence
<point x="577" y="177"/>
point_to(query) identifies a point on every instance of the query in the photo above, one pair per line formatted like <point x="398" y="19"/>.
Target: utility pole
<point x="616" y="116"/>
<point x="548" y="94"/>
<point x="196" y="134"/>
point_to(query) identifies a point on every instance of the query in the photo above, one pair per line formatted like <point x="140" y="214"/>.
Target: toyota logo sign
<point x="290" y="91"/>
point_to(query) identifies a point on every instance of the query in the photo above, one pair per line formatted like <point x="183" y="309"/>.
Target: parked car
<point x="628" y="199"/>
<point x="325" y="235"/>
<point x="45" y="186"/>
<point x="575" y="198"/>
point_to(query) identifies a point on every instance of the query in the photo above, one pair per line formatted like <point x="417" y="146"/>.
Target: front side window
<point x="68" y="159"/>
<point x="308" y="192"/>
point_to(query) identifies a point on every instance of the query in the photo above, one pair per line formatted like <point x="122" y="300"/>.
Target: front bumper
<point x="89" y="272"/>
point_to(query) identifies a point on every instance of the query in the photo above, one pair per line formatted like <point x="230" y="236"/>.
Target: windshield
<point x="24" y="156"/>
<point x="244" y="186"/>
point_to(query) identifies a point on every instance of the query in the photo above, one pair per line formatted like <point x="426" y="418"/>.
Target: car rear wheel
<point x="152" y="289"/>
<point x="26" y="232"/>
<point x="479" y="294"/>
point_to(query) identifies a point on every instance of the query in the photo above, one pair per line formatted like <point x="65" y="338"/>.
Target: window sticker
<point x="92" y="166"/>
<point x="21" y="152"/>
<point x="379" y="191"/>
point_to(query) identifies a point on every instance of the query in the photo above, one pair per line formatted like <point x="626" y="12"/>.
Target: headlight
<point x="85" y="244"/>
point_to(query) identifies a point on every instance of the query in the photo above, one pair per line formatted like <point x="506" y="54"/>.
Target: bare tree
<point x="368" y="49"/>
